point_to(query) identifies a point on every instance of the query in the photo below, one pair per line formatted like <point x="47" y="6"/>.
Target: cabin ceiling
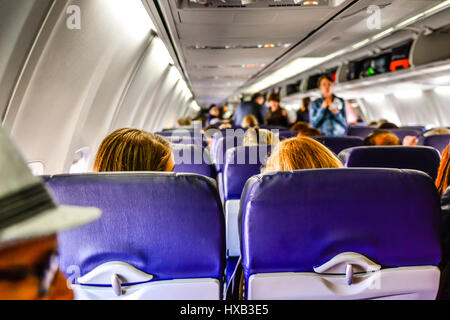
<point x="223" y="49"/>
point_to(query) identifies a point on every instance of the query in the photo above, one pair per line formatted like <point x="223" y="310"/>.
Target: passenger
<point x="436" y="132"/>
<point x="300" y="125"/>
<point x="131" y="149"/>
<point x="301" y="153"/>
<point x="382" y="138"/>
<point x="328" y="113"/>
<point x="254" y="108"/>
<point x="387" y="125"/>
<point x="373" y="124"/>
<point x="277" y="116"/>
<point x="29" y="223"/>
<point x="184" y="122"/>
<point x="303" y="112"/>
<point x="214" y="115"/>
<point x="309" y="132"/>
<point x="249" y="121"/>
<point x="256" y="136"/>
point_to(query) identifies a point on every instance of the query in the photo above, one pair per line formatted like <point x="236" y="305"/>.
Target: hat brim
<point x="49" y="222"/>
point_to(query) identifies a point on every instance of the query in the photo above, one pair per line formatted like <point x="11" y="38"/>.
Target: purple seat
<point x="241" y="163"/>
<point x="416" y="128"/>
<point x="177" y="133"/>
<point x="287" y="135"/>
<point x="167" y="225"/>
<point x="425" y="159"/>
<point x="193" y="159"/>
<point x="359" y="131"/>
<point x="439" y="142"/>
<point x="341" y="234"/>
<point x="220" y="148"/>
<point x="274" y="128"/>
<point x="402" y="133"/>
<point x="363" y="132"/>
<point x="186" y="140"/>
<point x="337" y="144"/>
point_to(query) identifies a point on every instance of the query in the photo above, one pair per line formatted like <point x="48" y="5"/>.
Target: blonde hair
<point x="436" y="132"/>
<point x="301" y="153"/>
<point x="265" y="137"/>
<point x="249" y="121"/>
<point x="131" y="149"/>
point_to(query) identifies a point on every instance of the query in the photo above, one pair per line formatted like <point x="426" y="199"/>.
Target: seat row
<point x="312" y="234"/>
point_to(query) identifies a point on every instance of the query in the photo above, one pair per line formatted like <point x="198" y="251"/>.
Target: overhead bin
<point x="421" y="53"/>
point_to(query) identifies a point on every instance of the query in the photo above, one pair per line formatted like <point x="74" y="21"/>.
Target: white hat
<point x="27" y="209"/>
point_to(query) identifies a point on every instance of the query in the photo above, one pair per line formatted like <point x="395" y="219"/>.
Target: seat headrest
<point x="337" y="144"/>
<point x="363" y="132"/>
<point x="439" y="142"/>
<point x="308" y="217"/>
<point x="241" y="163"/>
<point x="165" y="224"/>
<point x="425" y="159"/>
<point x="221" y="147"/>
<point x="193" y="159"/>
<point x="287" y="134"/>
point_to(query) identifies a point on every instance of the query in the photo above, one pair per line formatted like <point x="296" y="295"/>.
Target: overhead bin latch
<point x="348" y="263"/>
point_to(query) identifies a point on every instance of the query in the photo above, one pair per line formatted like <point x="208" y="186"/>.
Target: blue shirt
<point x="328" y="123"/>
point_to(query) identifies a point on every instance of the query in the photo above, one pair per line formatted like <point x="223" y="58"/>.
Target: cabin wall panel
<point x="426" y="107"/>
<point x="83" y="83"/>
<point x="20" y="21"/>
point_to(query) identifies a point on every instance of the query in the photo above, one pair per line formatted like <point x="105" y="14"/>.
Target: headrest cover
<point x="165" y="224"/>
<point x="193" y="159"/>
<point x="337" y="144"/>
<point x="425" y="159"/>
<point x="241" y="163"/>
<point x="295" y="221"/>
<point x="439" y="142"/>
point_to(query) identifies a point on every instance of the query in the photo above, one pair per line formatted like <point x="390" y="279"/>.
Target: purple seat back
<point x="425" y="159"/>
<point x="177" y="133"/>
<point x="241" y="163"/>
<point x="337" y="144"/>
<point x="221" y="147"/>
<point x="165" y="224"/>
<point x="308" y="217"/>
<point x="363" y="132"/>
<point x="287" y="135"/>
<point x="439" y="142"/>
<point x="359" y="131"/>
<point x="416" y="128"/>
<point x="193" y="159"/>
<point x="186" y="140"/>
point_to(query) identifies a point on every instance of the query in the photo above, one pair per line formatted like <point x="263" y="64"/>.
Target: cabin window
<point x="80" y="163"/>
